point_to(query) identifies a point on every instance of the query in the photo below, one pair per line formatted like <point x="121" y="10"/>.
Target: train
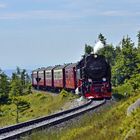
<point x="90" y="77"/>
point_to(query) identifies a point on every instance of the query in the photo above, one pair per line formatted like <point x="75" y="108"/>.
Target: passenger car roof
<point x="41" y="69"/>
<point x="71" y="65"/>
<point x="61" y="66"/>
<point x="50" y="68"/>
<point x="36" y="70"/>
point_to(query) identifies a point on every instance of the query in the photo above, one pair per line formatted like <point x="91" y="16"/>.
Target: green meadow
<point x="110" y="123"/>
<point x="41" y="104"/>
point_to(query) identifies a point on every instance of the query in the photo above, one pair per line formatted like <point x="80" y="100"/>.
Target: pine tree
<point x="129" y="56"/>
<point x="138" y="35"/>
<point x="88" y="49"/>
<point x="23" y="78"/>
<point x="28" y="79"/>
<point x="15" y="93"/>
<point x="138" y="51"/>
<point x="4" y="88"/>
<point x="126" y="62"/>
<point x="16" y="86"/>
<point x="109" y="53"/>
<point x="21" y="106"/>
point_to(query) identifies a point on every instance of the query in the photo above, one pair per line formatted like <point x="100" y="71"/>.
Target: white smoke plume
<point x="98" y="46"/>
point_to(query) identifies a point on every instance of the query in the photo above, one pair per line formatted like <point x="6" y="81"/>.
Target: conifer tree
<point x="138" y="35"/>
<point x="15" y="93"/>
<point x="4" y="88"/>
<point x="88" y="49"/>
<point x="109" y="52"/>
<point x="21" y="106"/>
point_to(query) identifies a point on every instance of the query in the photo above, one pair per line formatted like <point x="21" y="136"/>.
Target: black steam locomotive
<point x="95" y="74"/>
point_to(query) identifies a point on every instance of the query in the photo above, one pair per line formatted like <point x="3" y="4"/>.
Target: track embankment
<point x="18" y="130"/>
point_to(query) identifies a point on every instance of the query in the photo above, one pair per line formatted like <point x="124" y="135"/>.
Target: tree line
<point x="11" y="90"/>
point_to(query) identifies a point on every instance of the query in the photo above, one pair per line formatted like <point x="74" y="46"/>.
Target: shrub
<point x="64" y="93"/>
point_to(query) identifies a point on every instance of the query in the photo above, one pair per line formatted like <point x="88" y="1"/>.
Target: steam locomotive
<point x="91" y="77"/>
<point x="95" y="80"/>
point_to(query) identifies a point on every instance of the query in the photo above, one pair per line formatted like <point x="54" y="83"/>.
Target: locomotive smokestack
<point x="98" y="46"/>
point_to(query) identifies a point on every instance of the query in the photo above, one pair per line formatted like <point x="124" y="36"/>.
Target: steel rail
<point x="15" y="131"/>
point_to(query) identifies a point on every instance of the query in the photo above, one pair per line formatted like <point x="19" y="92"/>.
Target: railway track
<point x="15" y="131"/>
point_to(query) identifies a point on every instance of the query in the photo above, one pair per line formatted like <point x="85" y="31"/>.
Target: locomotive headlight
<point x="95" y="56"/>
<point x="104" y="79"/>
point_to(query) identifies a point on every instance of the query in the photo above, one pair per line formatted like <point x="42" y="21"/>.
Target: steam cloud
<point x="98" y="46"/>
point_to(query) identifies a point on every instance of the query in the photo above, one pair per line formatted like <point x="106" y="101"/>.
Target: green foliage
<point x="138" y="35"/>
<point x="21" y="106"/>
<point x="109" y="52"/>
<point x="20" y="83"/>
<point x="88" y="49"/>
<point x="127" y="62"/>
<point x="40" y="104"/>
<point x="16" y="87"/>
<point x="129" y="56"/>
<point x="4" y="88"/>
<point x="12" y="90"/>
<point x="64" y="93"/>
<point x="29" y="89"/>
<point x="117" y="95"/>
<point x="129" y="87"/>
<point x="23" y="74"/>
<point x="134" y="81"/>
<point x="125" y="89"/>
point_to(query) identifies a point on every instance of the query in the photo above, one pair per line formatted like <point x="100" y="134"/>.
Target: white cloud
<point x="67" y="14"/>
<point x="12" y="16"/>
<point x="45" y="14"/>
<point x="120" y="13"/>
<point x="53" y="14"/>
<point x="111" y="13"/>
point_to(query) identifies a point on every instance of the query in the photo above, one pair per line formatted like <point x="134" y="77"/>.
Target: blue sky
<point x="36" y="33"/>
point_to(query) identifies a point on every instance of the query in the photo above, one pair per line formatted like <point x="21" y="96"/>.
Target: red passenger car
<point x="59" y="77"/>
<point x="49" y="77"/>
<point x="41" y="77"/>
<point x="70" y="77"/>
<point x="34" y="77"/>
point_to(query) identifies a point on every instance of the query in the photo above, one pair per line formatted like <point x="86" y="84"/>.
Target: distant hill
<point x="9" y="72"/>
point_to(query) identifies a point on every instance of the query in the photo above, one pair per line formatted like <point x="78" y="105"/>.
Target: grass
<point x="41" y="104"/>
<point x="111" y="123"/>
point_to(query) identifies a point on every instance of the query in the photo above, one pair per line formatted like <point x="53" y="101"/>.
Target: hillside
<point x="109" y="123"/>
<point x="41" y="104"/>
